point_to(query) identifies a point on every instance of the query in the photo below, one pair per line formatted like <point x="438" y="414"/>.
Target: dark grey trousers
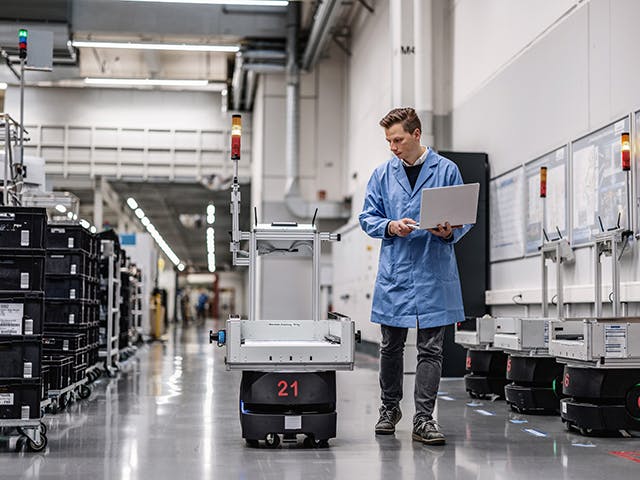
<point x="428" y="370"/>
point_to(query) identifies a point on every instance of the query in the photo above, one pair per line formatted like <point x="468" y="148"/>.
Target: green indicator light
<point x="22" y="33"/>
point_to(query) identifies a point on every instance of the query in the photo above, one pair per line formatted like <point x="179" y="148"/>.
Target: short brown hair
<point x="406" y="116"/>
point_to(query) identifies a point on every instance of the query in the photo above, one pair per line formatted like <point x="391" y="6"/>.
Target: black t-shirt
<point x="413" y="173"/>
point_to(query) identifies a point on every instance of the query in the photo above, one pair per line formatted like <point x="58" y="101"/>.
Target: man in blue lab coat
<point x="417" y="283"/>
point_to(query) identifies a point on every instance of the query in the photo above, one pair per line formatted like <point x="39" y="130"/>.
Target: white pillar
<point x="423" y="67"/>
<point x="98" y="210"/>
<point x="402" y="53"/>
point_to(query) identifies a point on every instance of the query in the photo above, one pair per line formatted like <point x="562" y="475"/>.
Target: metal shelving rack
<point x="112" y="283"/>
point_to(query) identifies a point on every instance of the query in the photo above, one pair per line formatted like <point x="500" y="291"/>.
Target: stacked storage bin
<point x="71" y="303"/>
<point x="22" y="260"/>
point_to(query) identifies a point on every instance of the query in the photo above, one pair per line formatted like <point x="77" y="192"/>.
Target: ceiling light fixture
<point x="150" y="82"/>
<point x="164" y="246"/>
<point x="178" y="47"/>
<point x="247" y="3"/>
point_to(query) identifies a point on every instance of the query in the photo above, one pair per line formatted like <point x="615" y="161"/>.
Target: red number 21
<point x="284" y="386"/>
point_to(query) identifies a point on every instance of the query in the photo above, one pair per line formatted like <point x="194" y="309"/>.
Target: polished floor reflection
<point x="172" y="414"/>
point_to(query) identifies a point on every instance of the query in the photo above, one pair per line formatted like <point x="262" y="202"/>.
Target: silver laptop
<point x="457" y="205"/>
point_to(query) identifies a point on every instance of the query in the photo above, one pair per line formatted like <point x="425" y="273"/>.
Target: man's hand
<point x="401" y="227"/>
<point x="442" y="231"/>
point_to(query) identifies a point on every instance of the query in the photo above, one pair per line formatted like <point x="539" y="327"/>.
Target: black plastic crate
<point x="20" y="399"/>
<point x="93" y="354"/>
<point x="45" y="381"/>
<point x="68" y="312"/>
<point x="81" y="357"/>
<point x="20" y="357"/>
<point x="63" y="343"/>
<point x="60" y="374"/>
<point x="69" y="237"/>
<point x="75" y="262"/>
<point x="76" y="287"/>
<point x="22" y="228"/>
<point x="21" y="313"/>
<point x="20" y="271"/>
<point x="78" y="372"/>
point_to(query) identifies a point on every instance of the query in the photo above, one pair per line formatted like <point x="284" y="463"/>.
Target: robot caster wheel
<point x="272" y="440"/>
<point x="311" y="442"/>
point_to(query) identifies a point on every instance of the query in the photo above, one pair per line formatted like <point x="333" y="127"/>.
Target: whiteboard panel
<point x="636" y="166"/>
<point x="506" y="216"/>
<point x="599" y="184"/>
<point x="555" y="203"/>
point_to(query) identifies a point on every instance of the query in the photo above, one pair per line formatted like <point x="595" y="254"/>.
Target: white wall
<point x="285" y="284"/>
<point x="522" y="90"/>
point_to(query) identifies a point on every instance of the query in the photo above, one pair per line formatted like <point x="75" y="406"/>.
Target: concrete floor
<point x="172" y="414"/>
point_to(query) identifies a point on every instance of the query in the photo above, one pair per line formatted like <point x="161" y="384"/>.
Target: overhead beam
<point x="109" y="17"/>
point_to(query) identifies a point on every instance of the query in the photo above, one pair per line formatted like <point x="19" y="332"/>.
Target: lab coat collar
<point x="425" y="173"/>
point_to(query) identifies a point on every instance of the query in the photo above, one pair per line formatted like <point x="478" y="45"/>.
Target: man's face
<point x="402" y="144"/>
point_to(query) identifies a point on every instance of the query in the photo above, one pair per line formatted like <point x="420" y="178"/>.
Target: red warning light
<point x="543" y="182"/>
<point x="625" y="151"/>
<point x="236" y="134"/>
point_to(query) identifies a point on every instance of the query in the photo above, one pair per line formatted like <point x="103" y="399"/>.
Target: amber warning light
<point x="543" y="182"/>
<point x="236" y="134"/>
<point x="625" y="150"/>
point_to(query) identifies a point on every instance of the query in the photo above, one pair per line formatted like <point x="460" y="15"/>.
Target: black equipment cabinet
<point x="472" y="253"/>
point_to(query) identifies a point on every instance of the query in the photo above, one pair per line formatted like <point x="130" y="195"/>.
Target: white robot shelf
<point x="288" y="385"/>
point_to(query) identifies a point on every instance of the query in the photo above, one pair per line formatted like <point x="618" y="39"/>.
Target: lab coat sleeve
<point x="454" y="178"/>
<point x="373" y="218"/>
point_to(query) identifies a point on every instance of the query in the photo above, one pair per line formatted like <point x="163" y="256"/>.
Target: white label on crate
<point x="11" y="318"/>
<point x="72" y="318"/>
<point x="615" y="340"/>
<point x="28" y="370"/>
<point x="292" y="422"/>
<point x="24" y="280"/>
<point x="74" y="269"/>
<point x="65" y="345"/>
<point x="6" y="398"/>
<point x="26" y="412"/>
<point x="71" y="243"/>
<point x="28" y="326"/>
<point x="24" y="238"/>
<point x="72" y="293"/>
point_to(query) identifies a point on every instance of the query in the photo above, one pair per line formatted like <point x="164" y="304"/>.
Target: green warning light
<point x="22" y="33"/>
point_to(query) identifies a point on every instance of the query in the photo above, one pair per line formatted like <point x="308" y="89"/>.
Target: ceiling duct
<point x="293" y="197"/>
<point x="324" y="21"/>
<point x="249" y="63"/>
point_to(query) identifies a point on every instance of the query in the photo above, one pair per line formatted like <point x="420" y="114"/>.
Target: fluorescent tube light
<point x="178" y="47"/>
<point x="248" y="3"/>
<point x="132" y="203"/>
<point x="146" y="82"/>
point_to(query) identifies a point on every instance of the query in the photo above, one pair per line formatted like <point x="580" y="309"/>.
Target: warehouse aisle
<point x="172" y="414"/>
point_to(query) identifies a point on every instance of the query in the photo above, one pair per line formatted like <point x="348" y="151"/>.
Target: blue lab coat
<point x="417" y="282"/>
